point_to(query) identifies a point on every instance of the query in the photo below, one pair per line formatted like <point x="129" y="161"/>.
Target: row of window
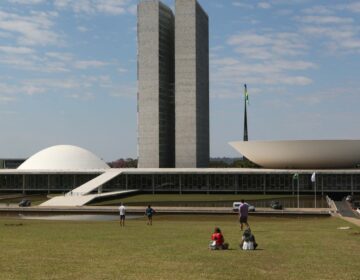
<point x="178" y="182"/>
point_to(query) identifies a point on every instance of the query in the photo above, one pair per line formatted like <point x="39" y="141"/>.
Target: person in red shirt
<point x="218" y="240"/>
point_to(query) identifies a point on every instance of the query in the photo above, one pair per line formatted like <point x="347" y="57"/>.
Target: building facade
<point x="173" y="85"/>
<point x="156" y="116"/>
<point x="197" y="180"/>
<point x="191" y="85"/>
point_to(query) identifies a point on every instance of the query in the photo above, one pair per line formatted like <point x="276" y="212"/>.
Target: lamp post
<point x="313" y="180"/>
<point x="296" y="178"/>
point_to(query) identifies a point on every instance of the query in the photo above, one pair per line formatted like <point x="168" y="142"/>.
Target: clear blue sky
<point x="68" y="73"/>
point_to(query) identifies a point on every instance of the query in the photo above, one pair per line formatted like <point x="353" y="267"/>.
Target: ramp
<point x="80" y="200"/>
<point x="345" y="209"/>
<point x="95" y="183"/>
<point x="80" y="195"/>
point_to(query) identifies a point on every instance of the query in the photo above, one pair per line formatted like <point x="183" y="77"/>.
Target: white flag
<point x="313" y="177"/>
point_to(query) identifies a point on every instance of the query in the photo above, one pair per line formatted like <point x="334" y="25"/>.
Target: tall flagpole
<point x="245" y="114"/>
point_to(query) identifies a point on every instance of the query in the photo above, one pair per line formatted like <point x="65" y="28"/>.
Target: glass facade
<point x="179" y="182"/>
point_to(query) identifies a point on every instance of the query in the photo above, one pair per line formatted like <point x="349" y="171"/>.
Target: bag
<point x="212" y="245"/>
<point x="248" y="245"/>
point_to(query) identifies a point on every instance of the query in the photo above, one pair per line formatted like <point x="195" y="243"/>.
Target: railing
<point x="332" y="205"/>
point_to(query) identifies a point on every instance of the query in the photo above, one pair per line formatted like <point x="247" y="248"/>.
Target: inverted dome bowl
<point x="304" y="154"/>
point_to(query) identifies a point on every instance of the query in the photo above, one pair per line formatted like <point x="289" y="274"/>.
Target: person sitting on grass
<point x="248" y="240"/>
<point x="217" y="242"/>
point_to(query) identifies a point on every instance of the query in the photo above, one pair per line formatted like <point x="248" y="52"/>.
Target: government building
<point x="173" y="79"/>
<point x="173" y="133"/>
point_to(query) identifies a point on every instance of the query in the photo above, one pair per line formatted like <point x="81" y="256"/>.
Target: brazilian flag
<point x="246" y="94"/>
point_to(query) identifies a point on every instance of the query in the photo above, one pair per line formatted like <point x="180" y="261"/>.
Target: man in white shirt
<point x="122" y="211"/>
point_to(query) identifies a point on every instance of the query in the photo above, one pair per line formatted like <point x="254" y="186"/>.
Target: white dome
<point x="63" y="157"/>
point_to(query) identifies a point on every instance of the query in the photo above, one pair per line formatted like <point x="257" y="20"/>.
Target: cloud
<point x="264" y="5"/>
<point x="322" y="10"/>
<point x="6" y="99"/>
<point x="26" y="59"/>
<point x="60" y="56"/>
<point x="265" y="46"/>
<point x="270" y="73"/>
<point x="110" y="7"/>
<point x="33" y="29"/>
<point x="122" y="70"/>
<point x="124" y="91"/>
<point x="16" y="50"/>
<point x="26" y="2"/>
<point x="82" y="29"/>
<point x="85" y="64"/>
<point x="47" y="63"/>
<point x="336" y="34"/>
<point x="82" y="87"/>
<point x="351" y="7"/>
<point x="242" y="5"/>
<point x="9" y="90"/>
<point x="321" y="19"/>
<point x="328" y="95"/>
<point x="82" y="96"/>
<point x="267" y="58"/>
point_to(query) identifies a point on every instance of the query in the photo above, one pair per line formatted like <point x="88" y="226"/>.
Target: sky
<point x="68" y="73"/>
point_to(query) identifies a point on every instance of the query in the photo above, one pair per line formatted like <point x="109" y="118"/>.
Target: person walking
<point x="122" y="211"/>
<point x="243" y="214"/>
<point x="149" y="212"/>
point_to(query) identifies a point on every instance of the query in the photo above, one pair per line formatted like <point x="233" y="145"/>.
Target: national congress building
<point x="173" y="85"/>
<point x="173" y="126"/>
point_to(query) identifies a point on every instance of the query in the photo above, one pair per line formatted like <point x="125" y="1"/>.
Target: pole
<point x="298" y="187"/>
<point x="245" y="116"/>
<point x="315" y="192"/>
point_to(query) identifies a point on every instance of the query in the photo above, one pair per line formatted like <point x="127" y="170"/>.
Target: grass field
<point x="175" y="247"/>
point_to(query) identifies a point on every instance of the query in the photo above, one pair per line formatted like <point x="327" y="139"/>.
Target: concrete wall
<point x="191" y="85"/>
<point x="155" y="85"/>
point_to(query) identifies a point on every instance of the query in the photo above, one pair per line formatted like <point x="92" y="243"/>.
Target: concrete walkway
<point x="354" y="221"/>
<point x="164" y="210"/>
<point x="80" y="200"/>
<point x="81" y="195"/>
<point x="345" y="212"/>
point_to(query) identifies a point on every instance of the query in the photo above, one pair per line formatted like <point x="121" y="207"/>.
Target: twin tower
<point x="173" y="85"/>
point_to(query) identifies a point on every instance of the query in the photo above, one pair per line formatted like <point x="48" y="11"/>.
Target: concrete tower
<point x="191" y="85"/>
<point x="156" y="113"/>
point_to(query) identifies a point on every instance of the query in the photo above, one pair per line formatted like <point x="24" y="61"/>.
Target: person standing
<point x="149" y="212"/>
<point x="122" y="211"/>
<point x="243" y="214"/>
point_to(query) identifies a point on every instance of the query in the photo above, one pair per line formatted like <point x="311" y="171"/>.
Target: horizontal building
<point x="82" y="177"/>
<point x="215" y="180"/>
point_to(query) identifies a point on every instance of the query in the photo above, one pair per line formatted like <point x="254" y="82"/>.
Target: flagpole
<point x="315" y="192"/>
<point x="313" y="180"/>
<point x="298" y="199"/>
<point x="246" y="138"/>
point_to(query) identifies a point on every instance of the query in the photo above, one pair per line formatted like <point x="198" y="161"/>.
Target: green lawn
<point x="164" y="199"/>
<point x="175" y="247"/>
